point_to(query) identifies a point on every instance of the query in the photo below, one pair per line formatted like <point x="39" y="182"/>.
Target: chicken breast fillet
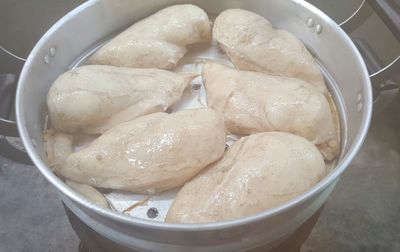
<point x="252" y="43"/>
<point x="58" y="147"/>
<point x="257" y="173"/>
<point x="94" y="98"/>
<point x="150" y="154"/>
<point x="252" y="102"/>
<point x="157" y="41"/>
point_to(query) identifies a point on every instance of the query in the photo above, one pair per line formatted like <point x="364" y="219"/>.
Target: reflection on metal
<point x="12" y="54"/>
<point x="387" y="72"/>
<point x="359" y="16"/>
<point x="318" y="28"/>
<point x="310" y="22"/>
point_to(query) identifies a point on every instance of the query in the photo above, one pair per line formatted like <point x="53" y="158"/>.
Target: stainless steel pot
<point x="89" y="24"/>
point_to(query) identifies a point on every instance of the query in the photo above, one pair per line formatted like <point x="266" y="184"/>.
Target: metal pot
<point x="89" y="24"/>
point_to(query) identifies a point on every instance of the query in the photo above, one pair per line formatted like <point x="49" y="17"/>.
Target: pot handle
<point x="389" y="12"/>
<point x="8" y="83"/>
<point x="385" y="88"/>
<point x="7" y="91"/>
<point x="383" y="78"/>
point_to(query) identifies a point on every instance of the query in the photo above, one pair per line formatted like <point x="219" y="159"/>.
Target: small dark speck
<point x="152" y="213"/>
<point x="169" y="110"/>
<point x="220" y="50"/>
<point x="105" y="190"/>
<point x="196" y="86"/>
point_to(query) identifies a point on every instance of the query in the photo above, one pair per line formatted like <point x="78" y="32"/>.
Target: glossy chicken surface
<point x="257" y="173"/>
<point x="150" y="154"/>
<point x="252" y="43"/>
<point x="252" y="102"/>
<point x="158" y="41"/>
<point x="94" y="98"/>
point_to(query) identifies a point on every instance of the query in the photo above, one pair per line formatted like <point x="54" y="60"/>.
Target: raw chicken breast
<point x="252" y="102"/>
<point x="257" y="173"/>
<point x="95" y="98"/>
<point x="253" y="44"/>
<point x="158" y="41"/>
<point x="150" y="154"/>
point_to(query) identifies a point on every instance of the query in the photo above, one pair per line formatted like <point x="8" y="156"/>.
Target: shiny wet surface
<point x="362" y="214"/>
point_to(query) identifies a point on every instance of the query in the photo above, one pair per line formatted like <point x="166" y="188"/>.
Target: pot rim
<point x="142" y="223"/>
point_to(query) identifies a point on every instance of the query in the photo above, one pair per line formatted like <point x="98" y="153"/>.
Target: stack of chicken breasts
<point x="274" y="100"/>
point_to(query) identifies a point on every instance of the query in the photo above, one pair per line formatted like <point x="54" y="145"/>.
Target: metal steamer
<point x="93" y="22"/>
